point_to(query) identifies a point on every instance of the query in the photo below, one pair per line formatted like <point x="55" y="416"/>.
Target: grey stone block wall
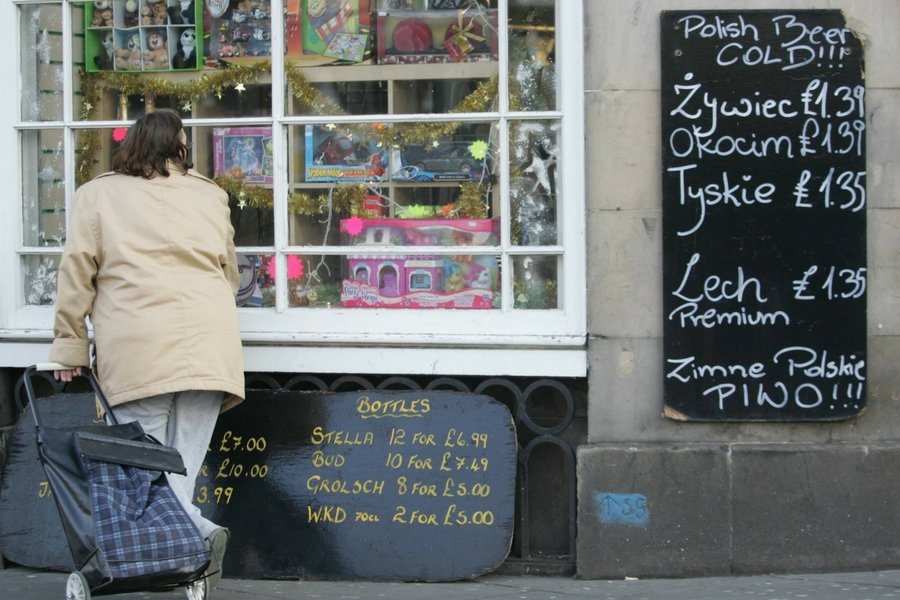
<point x="719" y="494"/>
<point x="717" y="509"/>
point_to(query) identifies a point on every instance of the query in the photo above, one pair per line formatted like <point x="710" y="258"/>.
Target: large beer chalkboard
<point x="363" y="485"/>
<point x="764" y="220"/>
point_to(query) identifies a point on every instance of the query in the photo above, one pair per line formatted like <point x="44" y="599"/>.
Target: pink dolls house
<point x="412" y="282"/>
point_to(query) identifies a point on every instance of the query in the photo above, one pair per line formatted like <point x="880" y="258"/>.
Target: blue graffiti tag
<point x="623" y="509"/>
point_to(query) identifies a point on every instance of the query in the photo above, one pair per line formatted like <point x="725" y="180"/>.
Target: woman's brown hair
<point x="150" y="143"/>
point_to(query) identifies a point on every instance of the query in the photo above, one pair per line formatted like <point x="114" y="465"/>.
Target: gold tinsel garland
<point x="344" y="199"/>
<point x="94" y="85"/>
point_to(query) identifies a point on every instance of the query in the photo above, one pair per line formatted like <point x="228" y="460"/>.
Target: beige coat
<point x="152" y="263"/>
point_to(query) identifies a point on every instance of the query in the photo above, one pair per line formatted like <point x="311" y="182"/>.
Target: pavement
<point x="19" y="583"/>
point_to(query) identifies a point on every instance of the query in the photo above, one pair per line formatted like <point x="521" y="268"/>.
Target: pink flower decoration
<point x="119" y="133"/>
<point x="353" y="225"/>
<point x="294" y="264"/>
<point x="295" y="267"/>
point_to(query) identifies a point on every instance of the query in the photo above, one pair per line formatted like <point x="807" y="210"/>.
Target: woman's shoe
<point x="218" y="542"/>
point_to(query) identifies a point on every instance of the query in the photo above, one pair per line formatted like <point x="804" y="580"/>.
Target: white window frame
<point x="504" y="341"/>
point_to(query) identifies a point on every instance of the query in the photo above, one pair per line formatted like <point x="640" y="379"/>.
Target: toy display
<point x="436" y="36"/>
<point x="336" y="155"/>
<point x="245" y="149"/>
<point x="421" y="232"/>
<point x="182" y="12"/>
<point x="128" y="54"/>
<point x="420" y="281"/>
<point x="186" y="53"/>
<point x="106" y="58"/>
<point x="156" y="56"/>
<point x="448" y="161"/>
<point x="141" y="35"/>
<point x="241" y="32"/>
<point x="323" y="31"/>
<point x="103" y="14"/>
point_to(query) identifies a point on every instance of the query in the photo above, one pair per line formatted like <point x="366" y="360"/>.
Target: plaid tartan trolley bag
<point x="124" y="526"/>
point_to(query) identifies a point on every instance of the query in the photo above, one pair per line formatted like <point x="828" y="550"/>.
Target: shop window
<point x="398" y="153"/>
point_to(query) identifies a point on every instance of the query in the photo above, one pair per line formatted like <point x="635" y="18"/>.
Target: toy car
<point x="448" y="157"/>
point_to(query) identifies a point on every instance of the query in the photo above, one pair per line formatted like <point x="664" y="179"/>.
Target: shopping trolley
<point x="124" y="526"/>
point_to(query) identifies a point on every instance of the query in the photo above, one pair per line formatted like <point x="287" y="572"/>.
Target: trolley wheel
<point x="197" y="590"/>
<point x="77" y="587"/>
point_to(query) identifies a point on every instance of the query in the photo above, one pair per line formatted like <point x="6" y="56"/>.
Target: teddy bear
<point x="103" y="14"/>
<point x="129" y="57"/>
<point x="131" y="17"/>
<point x="159" y="12"/>
<point x="157" y="54"/>
<point x="105" y="60"/>
<point x="182" y="12"/>
<point x="146" y="16"/>
<point x="186" y="57"/>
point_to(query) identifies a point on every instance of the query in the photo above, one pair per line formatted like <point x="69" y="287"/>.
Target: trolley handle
<point x="51" y="366"/>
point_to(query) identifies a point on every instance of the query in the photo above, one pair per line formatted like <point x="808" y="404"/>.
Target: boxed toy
<point x="420" y="282"/>
<point x="447" y="161"/>
<point x="246" y="149"/>
<point x="421" y="232"/>
<point x="321" y="31"/>
<point x="142" y="35"/>
<point x="337" y="155"/>
<point x="436" y="36"/>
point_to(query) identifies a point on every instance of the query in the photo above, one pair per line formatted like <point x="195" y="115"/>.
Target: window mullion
<point x="279" y="157"/>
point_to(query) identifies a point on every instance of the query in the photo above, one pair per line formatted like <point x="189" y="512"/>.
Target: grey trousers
<point x="185" y="421"/>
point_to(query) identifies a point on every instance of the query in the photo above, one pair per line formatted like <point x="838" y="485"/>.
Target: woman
<point x="150" y="259"/>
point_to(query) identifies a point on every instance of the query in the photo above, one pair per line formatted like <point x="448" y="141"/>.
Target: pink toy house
<point x="407" y="282"/>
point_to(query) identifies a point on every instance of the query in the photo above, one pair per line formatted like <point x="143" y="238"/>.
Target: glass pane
<point x="442" y="56"/>
<point x="171" y="42"/>
<point x="257" y="283"/>
<point x="321" y="92"/>
<point x="445" y="32"/>
<point x="43" y="188"/>
<point x="536" y="282"/>
<point x="532" y="55"/>
<point x="239" y="159"/>
<point x="533" y="182"/>
<point x="367" y="171"/>
<point x="39" y="278"/>
<point x="314" y="281"/>
<point x="41" y="62"/>
<point x="420" y="281"/>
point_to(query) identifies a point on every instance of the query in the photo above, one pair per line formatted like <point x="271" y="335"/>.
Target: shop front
<point x="405" y="181"/>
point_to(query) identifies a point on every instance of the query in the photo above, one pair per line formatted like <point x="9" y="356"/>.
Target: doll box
<point x="421" y="232"/>
<point x="420" y="282"/>
<point x="333" y="154"/>
<point x="245" y="149"/>
<point x="436" y="36"/>
<point x="143" y="35"/>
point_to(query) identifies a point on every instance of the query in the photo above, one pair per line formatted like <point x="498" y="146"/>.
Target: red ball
<point x="412" y="35"/>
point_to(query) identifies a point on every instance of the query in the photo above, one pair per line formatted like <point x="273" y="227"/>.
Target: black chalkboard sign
<point x="31" y="532"/>
<point x="363" y="485"/>
<point x="764" y="220"/>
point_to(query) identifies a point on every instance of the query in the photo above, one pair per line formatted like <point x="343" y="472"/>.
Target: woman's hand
<point x="67" y="375"/>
